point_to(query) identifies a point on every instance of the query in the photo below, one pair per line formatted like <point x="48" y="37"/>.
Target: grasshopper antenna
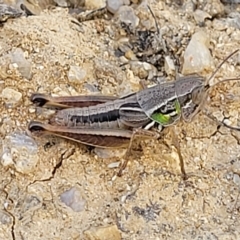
<point x="227" y="80"/>
<point x="208" y="87"/>
<point x="219" y="66"/>
<point x="222" y="122"/>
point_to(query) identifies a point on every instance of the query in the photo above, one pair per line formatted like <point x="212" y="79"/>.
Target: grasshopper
<point x="111" y="122"/>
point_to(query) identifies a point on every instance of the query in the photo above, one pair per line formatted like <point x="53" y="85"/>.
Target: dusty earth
<point x="150" y="200"/>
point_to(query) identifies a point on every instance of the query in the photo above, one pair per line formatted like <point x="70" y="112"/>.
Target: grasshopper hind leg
<point x="35" y="126"/>
<point x="39" y="99"/>
<point x="43" y="100"/>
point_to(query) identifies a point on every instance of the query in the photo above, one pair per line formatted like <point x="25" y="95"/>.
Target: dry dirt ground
<point x="150" y="200"/>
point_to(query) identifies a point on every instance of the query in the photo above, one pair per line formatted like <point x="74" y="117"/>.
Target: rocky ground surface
<point x="57" y="189"/>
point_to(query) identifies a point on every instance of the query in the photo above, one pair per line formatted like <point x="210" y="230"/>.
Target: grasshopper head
<point x="191" y="93"/>
<point x="196" y="92"/>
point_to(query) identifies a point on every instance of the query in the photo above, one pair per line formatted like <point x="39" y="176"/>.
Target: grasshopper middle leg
<point x="139" y="132"/>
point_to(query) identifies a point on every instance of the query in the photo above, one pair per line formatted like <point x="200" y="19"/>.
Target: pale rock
<point x="5" y="218"/>
<point x="19" y="150"/>
<point x="73" y="199"/>
<point x="24" y="66"/>
<point x="214" y="8"/>
<point x="114" y="5"/>
<point x="197" y="56"/>
<point x="129" y="54"/>
<point x="233" y="20"/>
<point x="62" y="3"/>
<point x="127" y="15"/>
<point x="11" y="97"/>
<point x="6" y="159"/>
<point x="189" y="6"/>
<point x="219" y="24"/>
<point x="123" y="59"/>
<point x="114" y="164"/>
<point x="143" y="69"/>
<point x="169" y="66"/>
<point x="9" y="9"/>
<point x="103" y="233"/>
<point x="95" y="4"/>
<point x="126" y="2"/>
<point x="76" y="74"/>
<point x="236" y="179"/>
<point x="109" y="153"/>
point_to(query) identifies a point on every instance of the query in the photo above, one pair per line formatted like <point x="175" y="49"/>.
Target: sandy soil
<point x="151" y="200"/>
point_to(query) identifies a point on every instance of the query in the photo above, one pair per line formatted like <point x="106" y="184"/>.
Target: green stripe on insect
<point x="165" y="119"/>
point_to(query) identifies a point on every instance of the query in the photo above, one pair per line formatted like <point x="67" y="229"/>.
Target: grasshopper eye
<point x="198" y="95"/>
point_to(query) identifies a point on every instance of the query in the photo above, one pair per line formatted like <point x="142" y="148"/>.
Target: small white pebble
<point x="114" y="165"/>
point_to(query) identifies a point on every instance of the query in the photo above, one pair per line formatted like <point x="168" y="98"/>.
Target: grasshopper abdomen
<point x="123" y="113"/>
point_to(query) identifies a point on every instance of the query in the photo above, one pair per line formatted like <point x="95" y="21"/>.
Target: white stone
<point x="127" y="15"/>
<point x="76" y="74"/>
<point x="114" y="5"/>
<point x="95" y="4"/>
<point x="21" y="148"/>
<point x="19" y="61"/>
<point x="197" y="56"/>
<point x="73" y="199"/>
<point x="169" y="65"/>
<point x="6" y="159"/>
<point x="114" y="165"/>
<point x="11" y="97"/>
